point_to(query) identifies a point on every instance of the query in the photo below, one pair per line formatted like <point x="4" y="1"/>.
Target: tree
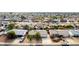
<point x="60" y="27"/>
<point x="10" y="26"/>
<point x="54" y="17"/>
<point x="61" y="17"/>
<point x="11" y="35"/>
<point x="46" y="28"/>
<point x="23" y="17"/>
<point x="30" y="37"/>
<point x="55" y="27"/>
<point x="17" y="27"/>
<point x="69" y="27"/>
<point x="26" y="27"/>
<point x="37" y="36"/>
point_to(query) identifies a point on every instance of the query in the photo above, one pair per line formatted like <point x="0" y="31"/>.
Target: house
<point x="0" y="23"/>
<point x="39" y="26"/>
<point x="46" y="19"/>
<point x="55" y="20"/>
<point x="71" y="20"/>
<point x="53" y="24"/>
<point x="32" y="32"/>
<point x="5" y="22"/>
<point x="64" y="33"/>
<point x="25" y="20"/>
<point x="52" y="32"/>
<point x="43" y="33"/>
<point x="74" y="33"/>
<point x="64" y="20"/>
<point x="20" y="32"/>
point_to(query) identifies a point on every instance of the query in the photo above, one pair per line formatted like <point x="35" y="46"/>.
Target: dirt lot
<point x="4" y="39"/>
<point x="70" y="41"/>
<point x="73" y="41"/>
<point x="33" y="42"/>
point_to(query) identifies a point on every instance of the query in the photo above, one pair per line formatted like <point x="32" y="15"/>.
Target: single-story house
<point x="74" y="33"/>
<point x="71" y="20"/>
<point x="25" y="20"/>
<point x="51" y="32"/>
<point x="5" y="22"/>
<point x="55" y="20"/>
<point x="46" y="19"/>
<point x="43" y="33"/>
<point x="20" y="32"/>
<point x="64" y="20"/>
<point x="32" y="32"/>
<point x="64" y="33"/>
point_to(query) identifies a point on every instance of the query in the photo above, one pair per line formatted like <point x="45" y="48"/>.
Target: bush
<point x="54" y="17"/>
<point x="69" y="27"/>
<point x="11" y="35"/>
<point x="62" y="27"/>
<point x="30" y="37"/>
<point x="23" y="17"/>
<point x="26" y="27"/>
<point x="17" y="27"/>
<point x="10" y="26"/>
<point x="55" y="27"/>
<point x="37" y="36"/>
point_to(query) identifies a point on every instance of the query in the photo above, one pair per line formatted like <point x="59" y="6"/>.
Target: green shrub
<point x="54" y="17"/>
<point x="11" y="35"/>
<point x="69" y="27"/>
<point x="10" y="26"/>
<point x="26" y="27"/>
<point x="37" y="36"/>
<point x="30" y="37"/>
